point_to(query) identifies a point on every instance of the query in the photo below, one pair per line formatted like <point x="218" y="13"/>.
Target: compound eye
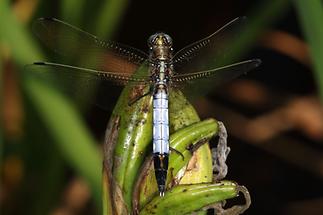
<point x="168" y="39"/>
<point x="151" y="40"/>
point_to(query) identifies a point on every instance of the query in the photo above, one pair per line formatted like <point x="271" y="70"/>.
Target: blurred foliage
<point x="70" y="135"/>
<point x="71" y="10"/>
<point x="311" y="17"/>
<point x="109" y="16"/>
<point x="1" y="111"/>
<point x="54" y="129"/>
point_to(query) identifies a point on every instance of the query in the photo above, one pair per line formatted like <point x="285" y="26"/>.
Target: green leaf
<point x="109" y="16"/>
<point x="71" y="11"/>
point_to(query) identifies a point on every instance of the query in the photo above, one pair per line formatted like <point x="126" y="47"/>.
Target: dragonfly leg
<point x="137" y="98"/>
<point x="193" y="147"/>
<point x="177" y="152"/>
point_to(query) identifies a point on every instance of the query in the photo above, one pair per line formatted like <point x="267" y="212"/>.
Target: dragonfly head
<point x="160" y="39"/>
<point x="160" y="44"/>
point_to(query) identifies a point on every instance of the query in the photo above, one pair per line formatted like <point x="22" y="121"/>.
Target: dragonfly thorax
<point x="160" y="47"/>
<point x="160" y="73"/>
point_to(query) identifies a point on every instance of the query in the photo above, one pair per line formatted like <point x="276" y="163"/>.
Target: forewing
<point x="85" y="48"/>
<point x="211" y="52"/>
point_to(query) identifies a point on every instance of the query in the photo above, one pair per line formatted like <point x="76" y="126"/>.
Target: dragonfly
<point x="204" y="60"/>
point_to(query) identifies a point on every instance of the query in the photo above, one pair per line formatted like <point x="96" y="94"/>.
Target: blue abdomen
<point x="160" y="122"/>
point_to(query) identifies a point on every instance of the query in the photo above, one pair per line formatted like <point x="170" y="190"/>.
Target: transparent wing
<point x="86" y="85"/>
<point x="211" y="52"/>
<point x="198" y="83"/>
<point x="78" y="45"/>
<point x="89" y="75"/>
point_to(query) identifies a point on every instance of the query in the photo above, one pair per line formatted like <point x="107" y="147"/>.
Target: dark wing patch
<point x="85" y="48"/>
<point x="199" y="83"/>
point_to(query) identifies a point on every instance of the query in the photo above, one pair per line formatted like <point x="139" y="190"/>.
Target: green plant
<point x="129" y="184"/>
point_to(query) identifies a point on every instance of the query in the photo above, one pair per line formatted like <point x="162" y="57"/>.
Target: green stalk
<point x="310" y="16"/>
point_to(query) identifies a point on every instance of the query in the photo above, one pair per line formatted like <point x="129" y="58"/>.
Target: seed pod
<point x="131" y="129"/>
<point x="185" y="121"/>
<point x="182" y="114"/>
<point x="183" y="199"/>
<point x="133" y="142"/>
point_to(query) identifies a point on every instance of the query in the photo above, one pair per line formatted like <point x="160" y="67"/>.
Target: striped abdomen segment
<point x="160" y="122"/>
<point x="160" y="137"/>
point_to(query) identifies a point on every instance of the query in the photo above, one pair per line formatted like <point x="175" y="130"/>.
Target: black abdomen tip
<point x="161" y="166"/>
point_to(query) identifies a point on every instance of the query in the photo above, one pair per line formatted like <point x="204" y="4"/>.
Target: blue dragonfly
<point x="202" y="63"/>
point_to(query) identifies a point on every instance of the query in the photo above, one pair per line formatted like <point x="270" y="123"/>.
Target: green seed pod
<point x="133" y="142"/>
<point x="127" y="141"/>
<point x="129" y="185"/>
<point x="180" y="141"/>
<point x="182" y="114"/>
<point x="183" y="199"/>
